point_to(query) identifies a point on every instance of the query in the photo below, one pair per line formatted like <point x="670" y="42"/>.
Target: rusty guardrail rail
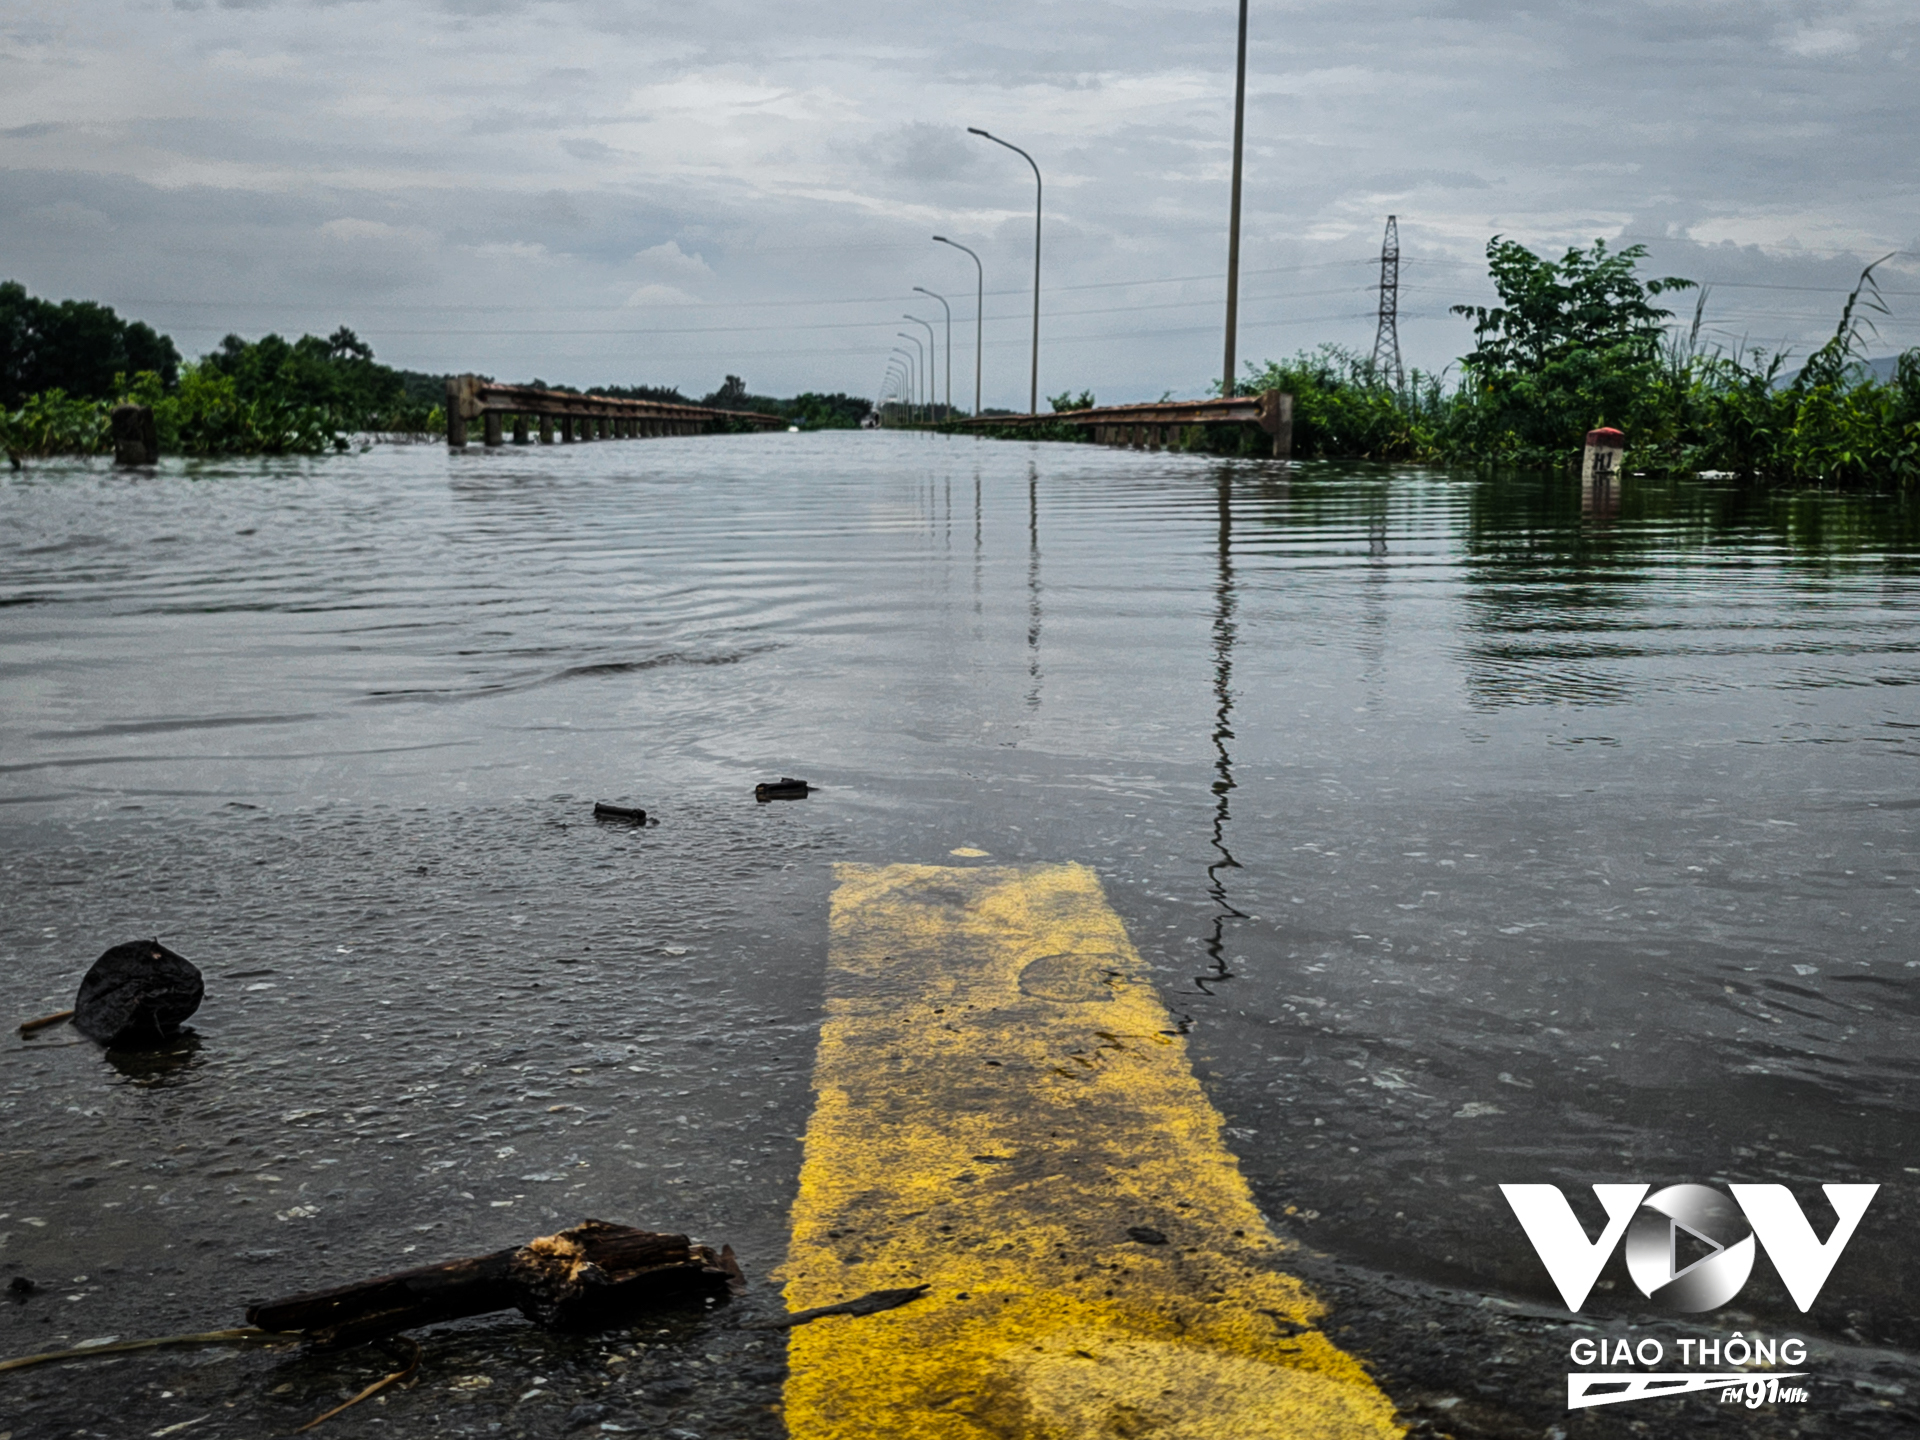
<point x="577" y="417"/>
<point x="1147" y="426"/>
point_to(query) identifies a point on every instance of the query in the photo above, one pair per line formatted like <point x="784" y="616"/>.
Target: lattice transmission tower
<point x="1386" y="340"/>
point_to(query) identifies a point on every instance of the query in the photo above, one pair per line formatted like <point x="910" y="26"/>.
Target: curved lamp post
<point x="1033" y="391"/>
<point x="920" y="371"/>
<point x="890" y="384"/>
<point x="905" y="358"/>
<point x="949" y="309"/>
<point x="900" y="383"/>
<point x="979" y="297"/>
<point x="895" y="377"/>
<point x="933" y="367"/>
<point x="913" y="369"/>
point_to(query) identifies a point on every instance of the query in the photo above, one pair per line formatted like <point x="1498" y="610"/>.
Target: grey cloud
<point x="807" y="153"/>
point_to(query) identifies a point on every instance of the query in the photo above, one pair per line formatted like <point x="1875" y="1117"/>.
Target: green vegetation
<point x="1578" y="343"/>
<point x="65" y="365"/>
<point x="1573" y="344"/>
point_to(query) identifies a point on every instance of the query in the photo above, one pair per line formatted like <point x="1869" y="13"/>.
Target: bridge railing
<point x="573" y="417"/>
<point x="1152" y="426"/>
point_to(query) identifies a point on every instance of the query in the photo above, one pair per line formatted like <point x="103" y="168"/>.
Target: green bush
<point x="1343" y="408"/>
<point x="55" y="423"/>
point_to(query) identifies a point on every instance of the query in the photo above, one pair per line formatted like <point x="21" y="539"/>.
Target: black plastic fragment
<point x="785" y="788"/>
<point x="1146" y="1235"/>
<point x="137" y="994"/>
<point x="604" y="811"/>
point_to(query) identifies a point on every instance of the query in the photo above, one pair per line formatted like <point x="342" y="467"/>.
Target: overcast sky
<point x="649" y="193"/>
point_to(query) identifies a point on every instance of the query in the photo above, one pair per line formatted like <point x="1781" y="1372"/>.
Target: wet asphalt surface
<point x="1473" y="839"/>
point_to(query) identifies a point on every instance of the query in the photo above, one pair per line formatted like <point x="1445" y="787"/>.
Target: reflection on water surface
<point x="1476" y="837"/>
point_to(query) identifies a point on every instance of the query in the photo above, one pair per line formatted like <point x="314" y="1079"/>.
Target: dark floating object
<point x="1146" y="1235"/>
<point x="137" y="994"/>
<point x="604" y="811"/>
<point x="20" y="1287"/>
<point x="27" y="1027"/>
<point x="578" y="1279"/>
<point x="871" y="1303"/>
<point x="785" y="788"/>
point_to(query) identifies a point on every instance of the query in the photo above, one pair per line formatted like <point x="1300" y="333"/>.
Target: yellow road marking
<point x="999" y="1098"/>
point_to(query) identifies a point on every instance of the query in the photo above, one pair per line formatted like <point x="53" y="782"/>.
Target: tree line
<point x="65" y="364"/>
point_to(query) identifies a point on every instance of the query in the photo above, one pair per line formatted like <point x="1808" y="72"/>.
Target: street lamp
<point x="900" y="392"/>
<point x="949" y="309"/>
<point x="889" y="384"/>
<point x="1033" y="392"/>
<point x="1233" y="216"/>
<point x="913" y="371"/>
<point x="933" y="369"/>
<point x="979" y="299"/>
<point x="921" y="373"/>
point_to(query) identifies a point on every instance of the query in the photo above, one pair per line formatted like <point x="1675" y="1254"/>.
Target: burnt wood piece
<point x="785" y="788"/>
<point x="576" y="1279"/>
<point x="137" y="994"/>
<point x="603" y="811"/>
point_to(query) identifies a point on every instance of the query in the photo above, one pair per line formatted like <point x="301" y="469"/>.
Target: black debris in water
<point x="603" y="811"/>
<point x="1146" y="1235"/>
<point x="137" y="994"/>
<point x="785" y="788"/>
<point x="872" y="1303"/>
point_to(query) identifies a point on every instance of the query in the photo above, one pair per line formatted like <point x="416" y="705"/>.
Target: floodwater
<point x="1476" y="838"/>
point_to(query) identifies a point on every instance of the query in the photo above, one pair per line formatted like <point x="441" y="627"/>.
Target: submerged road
<point x="1005" y="1113"/>
<point x="1447" y="835"/>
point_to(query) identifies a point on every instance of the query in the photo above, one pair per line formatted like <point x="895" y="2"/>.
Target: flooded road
<point x="1472" y="839"/>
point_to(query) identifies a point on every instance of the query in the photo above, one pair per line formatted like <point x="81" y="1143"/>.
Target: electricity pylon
<point x="1386" y="340"/>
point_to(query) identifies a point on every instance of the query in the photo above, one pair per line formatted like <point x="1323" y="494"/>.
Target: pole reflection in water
<point x="1226" y="604"/>
<point x="1033" y="586"/>
<point x="978" y="560"/>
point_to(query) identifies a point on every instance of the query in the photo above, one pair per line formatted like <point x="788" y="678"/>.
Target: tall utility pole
<point x="1386" y="340"/>
<point x="933" y="360"/>
<point x="920" y="370"/>
<point x="949" y="309"/>
<point x="913" y="384"/>
<point x="979" y="299"/>
<point x="1033" y="392"/>
<point x="1233" y="216"/>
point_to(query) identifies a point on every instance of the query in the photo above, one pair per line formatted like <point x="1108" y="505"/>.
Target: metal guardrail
<point x="1147" y="426"/>
<point x="577" y="417"/>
